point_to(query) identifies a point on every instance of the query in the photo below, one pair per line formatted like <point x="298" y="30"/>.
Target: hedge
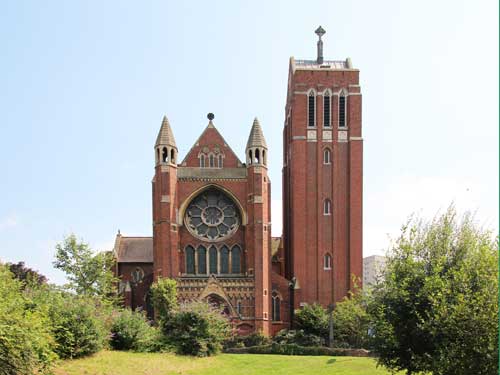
<point x="293" y="349"/>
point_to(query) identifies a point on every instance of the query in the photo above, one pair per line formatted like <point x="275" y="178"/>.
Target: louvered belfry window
<point x="342" y="104"/>
<point x="311" y="111"/>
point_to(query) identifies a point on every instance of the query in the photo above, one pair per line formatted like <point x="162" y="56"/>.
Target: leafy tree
<point x="25" y="337"/>
<point x="26" y="274"/>
<point x="351" y="321"/>
<point x="131" y="330"/>
<point x="312" y="319"/>
<point x="89" y="274"/>
<point x="198" y="329"/>
<point x="437" y="309"/>
<point x="164" y="298"/>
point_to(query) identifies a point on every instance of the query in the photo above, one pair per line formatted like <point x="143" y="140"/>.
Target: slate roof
<point x="133" y="249"/>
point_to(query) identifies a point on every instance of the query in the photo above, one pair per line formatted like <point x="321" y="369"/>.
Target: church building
<point x="212" y="211"/>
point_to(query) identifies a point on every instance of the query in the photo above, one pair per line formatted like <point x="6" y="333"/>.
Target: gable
<point x="211" y="142"/>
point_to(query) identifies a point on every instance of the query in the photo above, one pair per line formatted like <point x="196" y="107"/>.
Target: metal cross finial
<point x="320" y="32"/>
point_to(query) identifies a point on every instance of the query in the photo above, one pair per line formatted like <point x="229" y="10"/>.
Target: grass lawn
<point x="125" y="363"/>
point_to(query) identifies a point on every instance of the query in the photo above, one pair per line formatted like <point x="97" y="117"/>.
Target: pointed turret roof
<point x="256" y="137"/>
<point x="165" y="135"/>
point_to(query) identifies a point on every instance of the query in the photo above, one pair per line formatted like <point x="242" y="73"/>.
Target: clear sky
<point x="84" y="86"/>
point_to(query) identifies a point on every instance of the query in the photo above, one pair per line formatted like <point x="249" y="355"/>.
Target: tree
<point x="437" y="309"/>
<point x="313" y="319"/>
<point x="164" y="298"/>
<point x="89" y="274"/>
<point x="25" y="274"/>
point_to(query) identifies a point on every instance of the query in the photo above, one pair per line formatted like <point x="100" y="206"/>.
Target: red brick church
<point x="212" y="211"/>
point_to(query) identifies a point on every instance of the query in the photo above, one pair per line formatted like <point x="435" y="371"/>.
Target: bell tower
<point x="165" y="241"/>
<point x="322" y="178"/>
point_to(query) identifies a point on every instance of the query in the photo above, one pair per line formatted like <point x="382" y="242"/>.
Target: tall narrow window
<point x="327" y="207"/>
<point x="327" y="156"/>
<point x="202" y="260"/>
<point x="189" y="254"/>
<point x="212" y="258"/>
<point x="212" y="161"/>
<point x="220" y="161"/>
<point x="164" y="155"/>
<point x="342" y="110"/>
<point x="327" y="262"/>
<point x="326" y="110"/>
<point x="224" y="260"/>
<point x="239" y="308"/>
<point x="202" y="161"/>
<point x="172" y="156"/>
<point x="311" y="110"/>
<point x="276" y="306"/>
<point x="236" y="260"/>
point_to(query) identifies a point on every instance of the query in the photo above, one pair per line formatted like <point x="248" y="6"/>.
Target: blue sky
<point x="84" y="86"/>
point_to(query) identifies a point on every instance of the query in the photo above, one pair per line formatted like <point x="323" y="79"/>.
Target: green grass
<point x="125" y="363"/>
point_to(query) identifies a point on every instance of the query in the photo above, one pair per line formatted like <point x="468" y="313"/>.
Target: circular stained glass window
<point x="212" y="216"/>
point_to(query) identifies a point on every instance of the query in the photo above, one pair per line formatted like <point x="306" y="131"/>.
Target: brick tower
<point x="322" y="178"/>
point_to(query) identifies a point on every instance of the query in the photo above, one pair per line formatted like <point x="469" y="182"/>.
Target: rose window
<point x="212" y="216"/>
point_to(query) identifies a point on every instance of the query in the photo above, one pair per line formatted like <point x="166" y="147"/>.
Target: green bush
<point x="254" y="339"/>
<point x="297" y="337"/>
<point x="197" y="329"/>
<point x="77" y="325"/>
<point x="351" y="322"/>
<point x="294" y="349"/>
<point x="312" y="319"/>
<point x="25" y="340"/>
<point x="132" y="331"/>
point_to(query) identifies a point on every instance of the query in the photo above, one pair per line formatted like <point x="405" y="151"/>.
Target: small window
<point x="327" y="207"/>
<point x="311" y="111"/>
<point x="327" y="262"/>
<point x="172" y="156"/>
<point x="239" y="308"/>
<point x="250" y="157"/>
<point x="326" y="110"/>
<point x="164" y="155"/>
<point x="327" y="156"/>
<point x="276" y="307"/>
<point x="342" y="110"/>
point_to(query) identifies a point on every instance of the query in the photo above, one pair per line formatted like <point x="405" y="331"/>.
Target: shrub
<point x="25" y="340"/>
<point x="77" y="326"/>
<point x="254" y="339"/>
<point x="132" y="331"/>
<point x="294" y="349"/>
<point x="312" y="319"/>
<point x="297" y="337"/>
<point x="164" y="298"/>
<point x="198" y="329"/>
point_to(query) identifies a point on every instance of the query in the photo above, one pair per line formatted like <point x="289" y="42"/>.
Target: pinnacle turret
<point x="256" y="149"/>
<point x="166" y="149"/>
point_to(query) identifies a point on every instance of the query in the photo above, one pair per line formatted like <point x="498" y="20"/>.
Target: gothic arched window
<point x="212" y="258"/>
<point x="164" y="155"/>
<point x="224" y="260"/>
<point x="327" y="156"/>
<point x="220" y="161"/>
<point x="236" y="260"/>
<point x="326" y="110"/>
<point x="172" y="156"/>
<point x="212" y="161"/>
<point x="327" y="262"/>
<point x="189" y="254"/>
<point x="311" y="110"/>
<point x="250" y="157"/>
<point x="276" y="306"/>
<point x="202" y="161"/>
<point x="202" y="260"/>
<point x="342" y="110"/>
<point x="327" y="207"/>
<point x="239" y="308"/>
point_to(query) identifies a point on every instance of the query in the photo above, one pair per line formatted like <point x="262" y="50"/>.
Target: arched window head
<point x="164" y="155"/>
<point x="327" y="100"/>
<point x="202" y="161"/>
<point x="342" y="109"/>
<point x="276" y="306"/>
<point x="327" y="207"/>
<point x="189" y="255"/>
<point x="257" y="156"/>
<point x="311" y="109"/>
<point x="172" y="156"/>
<point x="327" y="262"/>
<point x="327" y="156"/>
